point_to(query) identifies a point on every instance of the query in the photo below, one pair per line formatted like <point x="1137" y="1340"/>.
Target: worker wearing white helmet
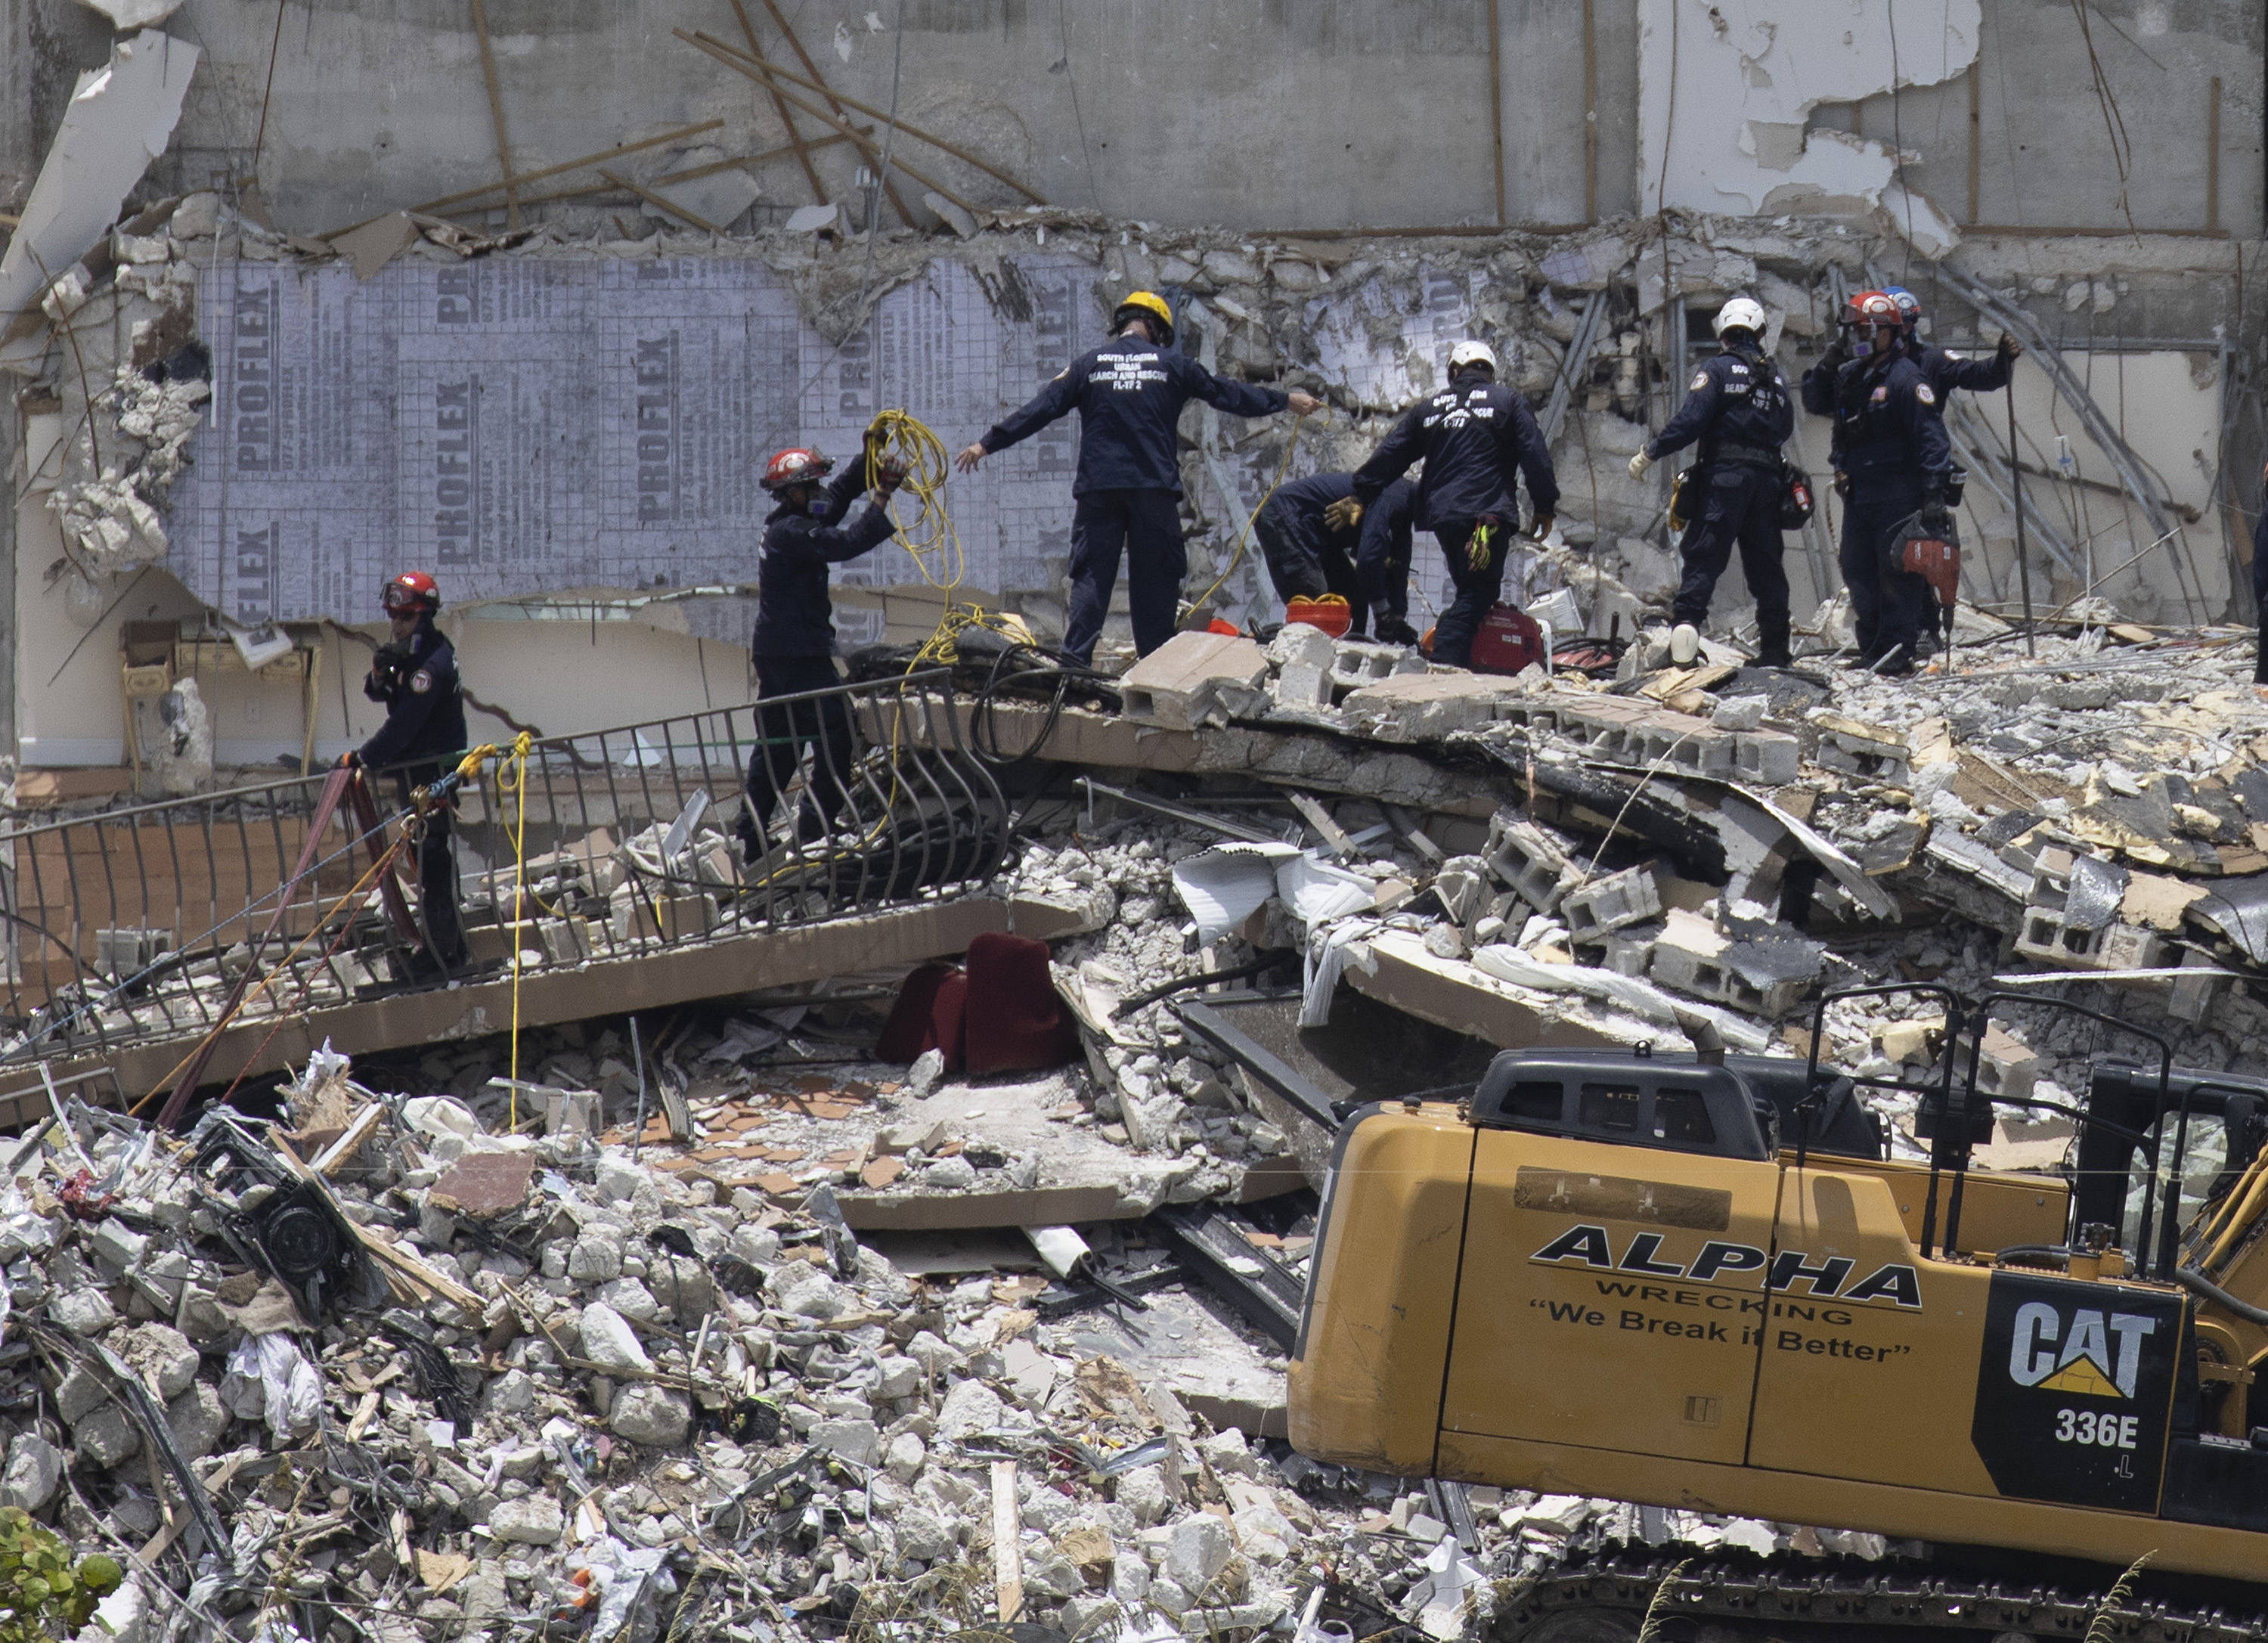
<point x="1479" y="439"/>
<point x="1739" y="409"/>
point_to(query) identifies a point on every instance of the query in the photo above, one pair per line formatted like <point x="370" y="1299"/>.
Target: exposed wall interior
<point x="1263" y="160"/>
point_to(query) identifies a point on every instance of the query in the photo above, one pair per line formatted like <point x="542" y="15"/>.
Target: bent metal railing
<point x="134" y="923"/>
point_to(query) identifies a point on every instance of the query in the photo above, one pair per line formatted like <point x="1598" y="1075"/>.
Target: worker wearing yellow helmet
<point x="1129" y="395"/>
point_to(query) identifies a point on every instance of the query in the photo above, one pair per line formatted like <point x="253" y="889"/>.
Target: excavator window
<point x="1609" y="1109"/>
<point x="1535" y="1099"/>
<point x="1682" y="1116"/>
<point x="1627" y="1099"/>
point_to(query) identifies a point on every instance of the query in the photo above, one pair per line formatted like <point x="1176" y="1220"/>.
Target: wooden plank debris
<point x="495" y="113"/>
<point x="676" y="135"/>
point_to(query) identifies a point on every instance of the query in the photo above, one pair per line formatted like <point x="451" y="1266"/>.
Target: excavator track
<point x="1608" y="1598"/>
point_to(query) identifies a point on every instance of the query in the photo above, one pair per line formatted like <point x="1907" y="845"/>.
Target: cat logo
<point x="2078" y="1358"/>
<point x="2075" y="1389"/>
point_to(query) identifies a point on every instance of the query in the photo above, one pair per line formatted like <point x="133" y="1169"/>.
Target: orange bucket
<point x="1330" y="613"/>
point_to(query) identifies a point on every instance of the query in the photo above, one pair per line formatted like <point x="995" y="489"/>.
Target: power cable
<point x="1899" y="141"/>
<point x="260" y="138"/>
<point x="1063" y="33"/>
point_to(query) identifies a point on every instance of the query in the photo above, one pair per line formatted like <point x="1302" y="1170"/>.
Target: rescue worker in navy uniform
<point x="1739" y="409"/>
<point x="1945" y="371"/>
<point x="1892" y="454"/>
<point x="1129" y="395"/>
<point x="1478" y="438"/>
<point x="1314" y="545"/>
<point x="2260" y="593"/>
<point x="806" y="535"/>
<point x="415" y="674"/>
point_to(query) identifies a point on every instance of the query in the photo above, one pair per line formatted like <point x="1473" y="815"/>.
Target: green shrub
<point x="43" y="1593"/>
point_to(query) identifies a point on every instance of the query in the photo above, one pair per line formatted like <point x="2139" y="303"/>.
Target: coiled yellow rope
<point x="930" y="538"/>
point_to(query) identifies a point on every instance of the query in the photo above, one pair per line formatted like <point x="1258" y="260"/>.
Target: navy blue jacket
<point x="1736" y="398"/>
<point x="425" y="704"/>
<point x="794" y="616"/>
<point x="1476" y="436"/>
<point x="1382" y="538"/>
<point x="1945" y="373"/>
<point x="1129" y="396"/>
<point x="1889" y="425"/>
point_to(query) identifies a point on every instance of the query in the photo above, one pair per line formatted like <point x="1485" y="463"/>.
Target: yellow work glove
<point x="1343" y="515"/>
<point x="1639" y="464"/>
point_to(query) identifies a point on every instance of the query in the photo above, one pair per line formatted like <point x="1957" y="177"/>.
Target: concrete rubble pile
<point x="1721" y="842"/>
<point x="446" y="1379"/>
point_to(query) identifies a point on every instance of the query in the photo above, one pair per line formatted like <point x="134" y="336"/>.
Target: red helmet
<point x="798" y="465"/>
<point x="412" y="590"/>
<point x="1868" y="314"/>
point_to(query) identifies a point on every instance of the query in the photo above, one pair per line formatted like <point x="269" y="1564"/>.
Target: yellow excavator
<point x="1697" y="1281"/>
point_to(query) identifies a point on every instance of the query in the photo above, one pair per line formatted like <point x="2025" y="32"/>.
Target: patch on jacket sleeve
<point x="421" y="680"/>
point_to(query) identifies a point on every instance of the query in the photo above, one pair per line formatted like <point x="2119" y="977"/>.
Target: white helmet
<point x="1472" y="353"/>
<point x="1743" y="313"/>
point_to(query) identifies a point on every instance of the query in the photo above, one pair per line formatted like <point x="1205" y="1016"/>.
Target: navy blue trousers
<point x="1890" y="605"/>
<point x="1740" y="506"/>
<point x="1144" y="528"/>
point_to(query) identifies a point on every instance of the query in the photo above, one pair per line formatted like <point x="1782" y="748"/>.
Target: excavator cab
<point x="1697" y="1280"/>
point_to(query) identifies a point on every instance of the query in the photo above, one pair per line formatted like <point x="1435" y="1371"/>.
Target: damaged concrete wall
<point x="1703" y="147"/>
<point x="1225" y="125"/>
<point x="1996" y="110"/>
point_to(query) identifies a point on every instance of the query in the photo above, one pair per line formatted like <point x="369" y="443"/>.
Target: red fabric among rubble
<point x="1016" y="1023"/>
<point x="999" y="1015"/>
<point x="928" y="1015"/>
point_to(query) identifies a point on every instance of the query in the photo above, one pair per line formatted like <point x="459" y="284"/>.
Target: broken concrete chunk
<point x="533" y="1520"/>
<point x="1195" y="679"/>
<point x="608" y="1340"/>
<point x="162" y="1356"/>
<point x="107" y="1437"/>
<point x="1426" y="707"/>
<point x="1197" y="1550"/>
<point x="33" y="1473"/>
<point x="656" y="1416"/>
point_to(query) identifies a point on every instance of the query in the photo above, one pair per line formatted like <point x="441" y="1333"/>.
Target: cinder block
<point x="1766" y="976"/>
<point x="1770" y="758"/>
<point x="121" y="953"/>
<point x="1874" y="753"/>
<point x="1302" y="684"/>
<point x="1195" y="679"/>
<point x="1629" y="897"/>
<point x="2006" y="1070"/>
<point x="1628" y="951"/>
<point x="1525" y="857"/>
<point x="1698" y="975"/>
<point x="1355" y="664"/>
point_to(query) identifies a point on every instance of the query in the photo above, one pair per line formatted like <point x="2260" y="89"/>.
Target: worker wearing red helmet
<point x="1894" y="466"/>
<point x="807" y="535"/>
<point x="415" y="674"/>
<point x="1948" y="372"/>
<point x="1129" y="395"/>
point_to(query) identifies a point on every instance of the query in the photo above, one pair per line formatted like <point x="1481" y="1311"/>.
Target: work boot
<point x="751" y="837"/>
<point x="1771" y="641"/>
<point x="1394" y="630"/>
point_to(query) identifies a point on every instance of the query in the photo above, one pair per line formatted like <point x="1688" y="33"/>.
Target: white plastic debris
<point x="269" y="1380"/>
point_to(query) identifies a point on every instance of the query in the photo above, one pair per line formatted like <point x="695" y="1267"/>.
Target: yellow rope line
<point x="1244" y="535"/>
<point x="518" y="887"/>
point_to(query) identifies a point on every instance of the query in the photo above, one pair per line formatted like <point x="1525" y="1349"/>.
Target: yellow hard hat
<point x="1145" y="302"/>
